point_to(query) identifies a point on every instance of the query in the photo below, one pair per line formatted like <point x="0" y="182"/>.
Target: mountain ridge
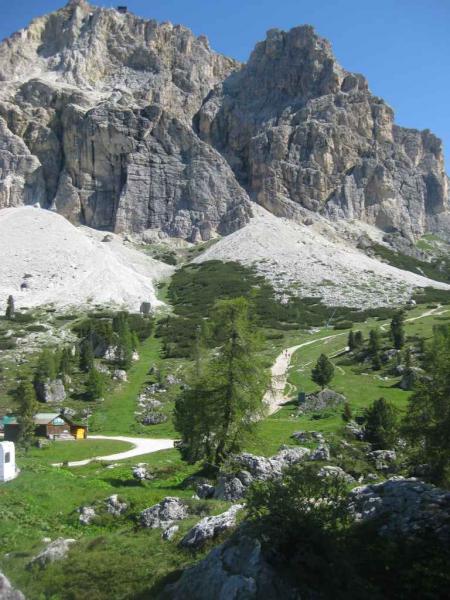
<point x="127" y="124"/>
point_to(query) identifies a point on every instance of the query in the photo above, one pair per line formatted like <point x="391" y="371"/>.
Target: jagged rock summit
<point x="125" y="124"/>
<point x="95" y="120"/>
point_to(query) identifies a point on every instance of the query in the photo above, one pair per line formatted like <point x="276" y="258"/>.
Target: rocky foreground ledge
<point x="238" y="568"/>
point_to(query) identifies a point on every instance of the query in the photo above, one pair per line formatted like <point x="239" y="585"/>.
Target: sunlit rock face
<point x="127" y="124"/>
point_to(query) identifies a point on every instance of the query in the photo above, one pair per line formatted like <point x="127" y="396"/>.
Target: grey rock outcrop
<point x="51" y="392"/>
<point x="246" y="468"/>
<point x="406" y="507"/>
<point x="115" y="506"/>
<point x="130" y="125"/>
<point x="301" y="132"/>
<point x="164" y="513"/>
<point x="205" y="490"/>
<point x="7" y="592"/>
<point x="210" y="527"/>
<point x="321" y="401"/>
<point x="142" y="472"/>
<point x="87" y="515"/>
<point x="56" y="550"/>
<point x="331" y="471"/>
<point x="235" y="569"/>
<point x="96" y="116"/>
<point x="322" y="452"/>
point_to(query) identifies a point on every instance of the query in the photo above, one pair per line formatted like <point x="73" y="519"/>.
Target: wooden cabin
<point x="49" y="425"/>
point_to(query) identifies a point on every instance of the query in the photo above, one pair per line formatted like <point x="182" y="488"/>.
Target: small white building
<point x="8" y="469"/>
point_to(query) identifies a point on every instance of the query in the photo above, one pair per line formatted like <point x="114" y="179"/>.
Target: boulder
<point x="210" y="527"/>
<point x="142" y="472"/>
<point x="384" y="459"/>
<point x="322" y="452"/>
<point x="354" y="430"/>
<point x="154" y="418"/>
<point x="169" y="533"/>
<point x="331" y="471"/>
<point x="234" y="570"/>
<point x="164" y="513"/>
<point x="205" y="490"/>
<point x="403" y="507"/>
<point x="120" y="375"/>
<point x="321" y="400"/>
<point x="7" y="592"/>
<point x="87" y="515"/>
<point x="115" y="506"/>
<point x="229" y="488"/>
<point x="51" y="392"/>
<point x="301" y="436"/>
<point x="409" y="378"/>
<point x="56" y="550"/>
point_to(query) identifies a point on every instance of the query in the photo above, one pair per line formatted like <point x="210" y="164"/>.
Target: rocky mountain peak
<point x="127" y="124"/>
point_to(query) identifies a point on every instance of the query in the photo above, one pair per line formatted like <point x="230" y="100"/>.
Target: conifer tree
<point x="426" y="424"/>
<point x="66" y="361"/>
<point x="223" y="397"/>
<point x="374" y="342"/>
<point x="347" y="414"/>
<point x="397" y="330"/>
<point x="46" y="370"/>
<point x="376" y="362"/>
<point x="95" y="385"/>
<point x="10" y="309"/>
<point x="124" y="341"/>
<point x="358" y="339"/>
<point x="351" y="341"/>
<point x="86" y="356"/>
<point x="323" y="372"/>
<point x="26" y="399"/>
<point x="381" y="424"/>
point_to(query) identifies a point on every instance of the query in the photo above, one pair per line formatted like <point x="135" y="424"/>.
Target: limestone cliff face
<point x="297" y="128"/>
<point x="127" y="124"/>
<point x="96" y="110"/>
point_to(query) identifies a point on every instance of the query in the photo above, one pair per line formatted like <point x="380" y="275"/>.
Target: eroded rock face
<point x="298" y="130"/>
<point x="131" y="125"/>
<point x="96" y="116"/>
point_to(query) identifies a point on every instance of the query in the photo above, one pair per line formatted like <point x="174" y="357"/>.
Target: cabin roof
<point x="39" y="418"/>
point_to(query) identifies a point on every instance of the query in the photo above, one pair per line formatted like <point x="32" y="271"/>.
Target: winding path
<point x="141" y="446"/>
<point x="275" y="396"/>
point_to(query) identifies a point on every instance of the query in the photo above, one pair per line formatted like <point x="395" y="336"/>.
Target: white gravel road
<point x="141" y="446"/>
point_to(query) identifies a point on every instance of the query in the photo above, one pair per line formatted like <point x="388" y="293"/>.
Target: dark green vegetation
<point x="194" y="289"/>
<point x="437" y="269"/>
<point x="321" y="552"/>
<point x="217" y="411"/>
<point x="427" y="423"/>
<point x="381" y="424"/>
<point x="323" y="372"/>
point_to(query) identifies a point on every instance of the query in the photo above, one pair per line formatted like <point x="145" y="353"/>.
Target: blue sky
<point x="401" y="46"/>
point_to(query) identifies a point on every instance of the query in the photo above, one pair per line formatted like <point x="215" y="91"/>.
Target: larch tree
<point x="223" y="399"/>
